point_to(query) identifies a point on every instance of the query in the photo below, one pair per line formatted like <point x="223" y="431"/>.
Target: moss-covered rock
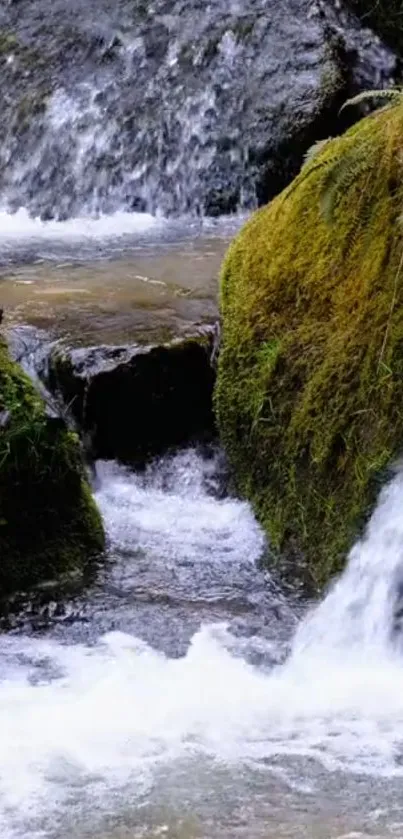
<point x="49" y="523"/>
<point x="309" y="396"/>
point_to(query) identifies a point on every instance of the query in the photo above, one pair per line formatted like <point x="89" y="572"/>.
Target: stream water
<point x="186" y="695"/>
<point x="112" y="280"/>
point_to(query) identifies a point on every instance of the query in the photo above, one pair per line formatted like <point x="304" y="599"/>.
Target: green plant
<point x="340" y="171"/>
<point x="390" y="96"/>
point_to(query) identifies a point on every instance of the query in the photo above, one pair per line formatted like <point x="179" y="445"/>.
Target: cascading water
<point x="165" y="701"/>
<point x="178" y="696"/>
<point x="358" y="616"/>
<point x="176" y="107"/>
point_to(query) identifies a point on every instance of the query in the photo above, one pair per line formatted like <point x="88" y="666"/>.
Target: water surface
<point x="182" y="696"/>
<point x="117" y="280"/>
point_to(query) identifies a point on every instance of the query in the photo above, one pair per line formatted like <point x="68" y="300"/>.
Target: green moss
<point x="8" y="43"/>
<point x="309" y="396"/>
<point x="49" y="523"/>
<point x="19" y="66"/>
<point x="243" y="27"/>
<point x="12" y="47"/>
<point x="28" y="107"/>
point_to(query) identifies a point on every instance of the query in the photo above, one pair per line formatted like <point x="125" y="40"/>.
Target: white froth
<point x="169" y="512"/>
<point x="102" y="721"/>
<point x="356" y="616"/>
<point x="20" y="226"/>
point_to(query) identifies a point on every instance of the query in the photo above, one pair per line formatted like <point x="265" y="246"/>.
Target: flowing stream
<point x="184" y="695"/>
<point x="112" y="280"/>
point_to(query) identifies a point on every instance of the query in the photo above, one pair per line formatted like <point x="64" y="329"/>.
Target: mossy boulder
<point x="49" y="524"/>
<point x="309" y="396"/>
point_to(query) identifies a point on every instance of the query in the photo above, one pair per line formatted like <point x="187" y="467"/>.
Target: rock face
<point x="49" y="524"/>
<point x="386" y="18"/>
<point x="309" y="396"/>
<point x="176" y="105"/>
<point x="132" y="403"/>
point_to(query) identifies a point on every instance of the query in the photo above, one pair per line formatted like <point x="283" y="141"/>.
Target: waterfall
<point x="359" y="616"/>
<point x="167" y="107"/>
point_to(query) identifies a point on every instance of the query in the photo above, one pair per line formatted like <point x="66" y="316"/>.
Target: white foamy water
<point x="18" y="226"/>
<point x="356" y="617"/>
<point x="87" y="729"/>
<point x="27" y="239"/>
<point x="169" y="511"/>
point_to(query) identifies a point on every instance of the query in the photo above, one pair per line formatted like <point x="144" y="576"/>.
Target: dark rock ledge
<point x="134" y="402"/>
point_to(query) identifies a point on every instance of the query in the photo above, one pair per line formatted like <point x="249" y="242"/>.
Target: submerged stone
<point x="309" y="395"/>
<point x="134" y="402"/>
<point x="49" y="524"/>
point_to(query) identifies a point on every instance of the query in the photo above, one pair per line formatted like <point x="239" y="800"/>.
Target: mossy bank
<point x="309" y="395"/>
<point x="49" y="524"/>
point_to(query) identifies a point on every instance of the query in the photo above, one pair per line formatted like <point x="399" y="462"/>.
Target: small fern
<point x="340" y="173"/>
<point x="315" y="149"/>
<point x="310" y="165"/>
<point x="391" y="96"/>
<point x="340" y="176"/>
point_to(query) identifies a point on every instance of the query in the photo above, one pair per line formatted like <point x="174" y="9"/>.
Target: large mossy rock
<point x="49" y="524"/>
<point x="309" y="396"/>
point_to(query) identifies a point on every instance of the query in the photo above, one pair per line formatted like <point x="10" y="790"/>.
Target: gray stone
<point x="135" y="402"/>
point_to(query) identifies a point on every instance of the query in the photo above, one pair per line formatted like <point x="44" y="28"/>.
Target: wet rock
<point x="385" y="16"/>
<point x="135" y="402"/>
